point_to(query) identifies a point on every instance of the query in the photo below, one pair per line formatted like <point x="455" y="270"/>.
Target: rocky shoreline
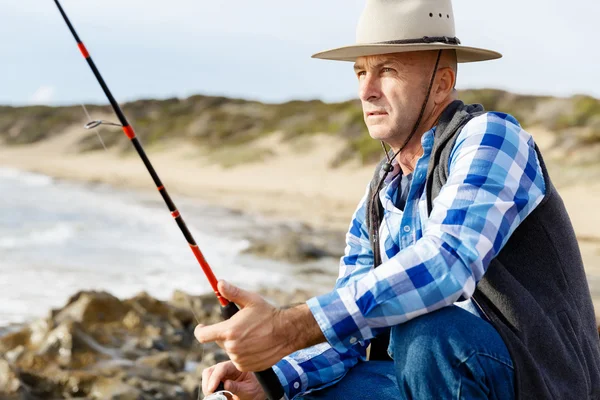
<point x="297" y="243"/>
<point x="100" y="347"/>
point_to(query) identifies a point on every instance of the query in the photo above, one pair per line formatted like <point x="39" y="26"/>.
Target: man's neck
<point x="408" y="157"/>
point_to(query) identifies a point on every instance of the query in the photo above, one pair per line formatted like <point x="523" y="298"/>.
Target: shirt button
<point x="353" y="340"/>
<point x="406" y="228"/>
<point x="296" y="385"/>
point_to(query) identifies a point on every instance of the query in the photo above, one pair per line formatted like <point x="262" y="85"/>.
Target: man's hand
<point x="259" y="335"/>
<point x="243" y="385"/>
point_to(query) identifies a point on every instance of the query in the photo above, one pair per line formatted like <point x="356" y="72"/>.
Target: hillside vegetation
<point x="219" y="122"/>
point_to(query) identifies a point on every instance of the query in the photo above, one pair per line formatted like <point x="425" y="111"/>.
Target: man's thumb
<point x="234" y="294"/>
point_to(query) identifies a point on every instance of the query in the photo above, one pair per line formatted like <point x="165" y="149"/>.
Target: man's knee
<point x="449" y="328"/>
<point x="420" y="345"/>
<point x="436" y="347"/>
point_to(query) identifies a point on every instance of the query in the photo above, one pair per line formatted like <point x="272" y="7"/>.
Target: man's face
<point x="392" y="89"/>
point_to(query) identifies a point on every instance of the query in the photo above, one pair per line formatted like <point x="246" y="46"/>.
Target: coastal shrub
<point x="221" y="122"/>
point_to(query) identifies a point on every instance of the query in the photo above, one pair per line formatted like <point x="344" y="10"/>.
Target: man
<point x="461" y="251"/>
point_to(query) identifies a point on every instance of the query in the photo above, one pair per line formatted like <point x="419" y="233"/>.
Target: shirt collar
<point x="392" y="180"/>
<point x="427" y="140"/>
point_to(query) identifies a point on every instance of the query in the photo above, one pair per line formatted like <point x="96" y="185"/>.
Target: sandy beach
<point x="295" y="184"/>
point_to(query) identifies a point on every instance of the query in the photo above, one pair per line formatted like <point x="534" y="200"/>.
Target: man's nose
<point x="369" y="88"/>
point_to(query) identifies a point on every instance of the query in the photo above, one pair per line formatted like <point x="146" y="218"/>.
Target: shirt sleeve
<point x="321" y="366"/>
<point x="495" y="181"/>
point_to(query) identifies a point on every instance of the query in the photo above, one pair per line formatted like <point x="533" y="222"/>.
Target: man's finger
<point x="237" y="295"/>
<point x="205" y="377"/>
<point x="222" y="372"/>
<point x="216" y="377"/>
<point x="211" y="333"/>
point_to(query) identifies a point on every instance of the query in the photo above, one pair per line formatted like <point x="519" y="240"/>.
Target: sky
<point x="262" y="49"/>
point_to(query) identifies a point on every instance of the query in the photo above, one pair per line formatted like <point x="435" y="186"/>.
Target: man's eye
<point x="361" y="73"/>
<point x="387" y="69"/>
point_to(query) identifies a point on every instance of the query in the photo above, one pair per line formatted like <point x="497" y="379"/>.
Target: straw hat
<point x="393" y="26"/>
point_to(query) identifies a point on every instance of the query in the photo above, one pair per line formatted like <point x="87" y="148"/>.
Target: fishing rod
<point x="267" y="378"/>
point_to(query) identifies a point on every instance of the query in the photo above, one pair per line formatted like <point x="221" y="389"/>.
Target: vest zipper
<point x="376" y="254"/>
<point x="481" y="309"/>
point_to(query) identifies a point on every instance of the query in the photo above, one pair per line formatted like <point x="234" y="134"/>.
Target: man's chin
<point x="379" y="134"/>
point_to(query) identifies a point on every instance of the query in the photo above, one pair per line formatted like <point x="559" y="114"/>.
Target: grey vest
<point x="534" y="292"/>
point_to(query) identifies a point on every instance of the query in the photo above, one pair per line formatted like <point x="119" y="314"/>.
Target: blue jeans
<point x="447" y="354"/>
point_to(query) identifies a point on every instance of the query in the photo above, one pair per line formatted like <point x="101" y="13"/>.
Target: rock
<point x="145" y="304"/>
<point x="39" y="385"/>
<point x="92" y="307"/>
<point x="213" y="355"/>
<point x="139" y="373"/>
<point x="114" y="389"/>
<point x="9" y="383"/>
<point x="159" y="389"/>
<point x="133" y="320"/>
<point x="87" y="351"/>
<point x="183" y="338"/>
<point x="58" y="344"/>
<point x="168" y="361"/>
<point x="78" y="384"/>
<point x="38" y="331"/>
<point x="292" y="246"/>
<point x="99" y="347"/>
<point x="132" y="349"/>
<point x="152" y="331"/>
<point x="67" y="346"/>
<point x="191" y="384"/>
<point x="204" y="307"/>
<point x="12" y="356"/>
<point x="14" y="339"/>
<point x="280" y="298"/>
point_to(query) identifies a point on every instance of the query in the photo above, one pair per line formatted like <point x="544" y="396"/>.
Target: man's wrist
<point x="300" y="327"/>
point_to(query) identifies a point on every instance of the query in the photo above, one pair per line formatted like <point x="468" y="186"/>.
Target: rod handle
<point x="267" y="378"/>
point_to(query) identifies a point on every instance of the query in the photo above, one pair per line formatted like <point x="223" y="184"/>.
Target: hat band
<point x="425" y="39"/>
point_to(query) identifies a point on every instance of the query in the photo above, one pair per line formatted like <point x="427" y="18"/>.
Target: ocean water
<point x="58" y="237"/>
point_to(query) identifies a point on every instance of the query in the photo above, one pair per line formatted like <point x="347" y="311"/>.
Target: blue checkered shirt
<point x="495" y="181"/>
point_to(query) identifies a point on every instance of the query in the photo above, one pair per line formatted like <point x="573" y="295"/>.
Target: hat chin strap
<point x="387" y="167"/>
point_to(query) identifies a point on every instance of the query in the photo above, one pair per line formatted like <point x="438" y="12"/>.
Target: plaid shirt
<point x="495" y="181"/>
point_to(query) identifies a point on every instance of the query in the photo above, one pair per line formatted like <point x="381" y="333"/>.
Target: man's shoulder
<point x="494" y="123"/>
<point x="495" y="117"/>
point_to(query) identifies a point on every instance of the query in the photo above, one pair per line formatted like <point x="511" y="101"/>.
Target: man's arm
<point x="317" y="364"/>
<point x="316" y="367"/>
<point x="260" y="335"/>
<point x="495" y="181"/>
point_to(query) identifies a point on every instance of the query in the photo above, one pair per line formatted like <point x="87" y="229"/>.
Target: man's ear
<point x="445" y="85"/>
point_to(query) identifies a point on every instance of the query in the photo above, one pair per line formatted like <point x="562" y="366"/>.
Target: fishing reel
<point x="220" y="395"/>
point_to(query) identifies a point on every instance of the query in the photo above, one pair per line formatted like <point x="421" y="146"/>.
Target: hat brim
<point x="464" y="54"/>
